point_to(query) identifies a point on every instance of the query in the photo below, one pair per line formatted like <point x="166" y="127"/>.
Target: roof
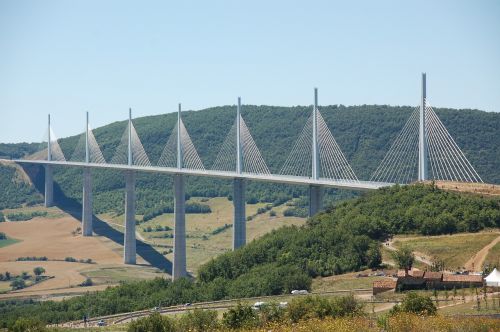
<point x="401" y="273"/>
<point x="462" y="278"/>
<point x="433" y="275"/>
<point x="384" y="283"/>
<point x="494" y="276"/>
<point x="416" y="273"/>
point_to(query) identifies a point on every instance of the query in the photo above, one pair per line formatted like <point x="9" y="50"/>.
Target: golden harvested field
<point x="469" y="187"/>
<point x="201" y="244"/>
<point x="54" y="236"/>
<point x="455" y="250"/>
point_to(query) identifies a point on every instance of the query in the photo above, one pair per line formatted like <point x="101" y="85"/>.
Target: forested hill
<point x="364" y="133"/>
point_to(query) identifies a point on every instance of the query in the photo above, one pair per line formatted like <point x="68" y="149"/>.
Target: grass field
<point x="454" y="250"/>
<point x="201" y="243"/>
<point x="347" y="281"/>
<point x="7" y="242"/>
<point x="493" y="255"/>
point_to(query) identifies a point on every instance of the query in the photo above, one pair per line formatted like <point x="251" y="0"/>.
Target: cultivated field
<point x="202" y="244"/>
<point x="57" y="236"/>
<point x="456" y="250"/>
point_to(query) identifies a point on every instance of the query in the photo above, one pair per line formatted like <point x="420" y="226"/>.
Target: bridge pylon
<point x="179" y="266"/>
<point x="422" y="135"/>
<point x="239" y="217"/>
<point x="49" y="179"/>
<point x="129" y="240"/>
<point x="315" y="191"/>
<point x="87" y="187"/>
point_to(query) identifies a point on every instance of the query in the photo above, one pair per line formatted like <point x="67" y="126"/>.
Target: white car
<point x="258" y="305"/>
<point x="101" y="323"/>
<point x="299" y="292"/>
<point x="283" y="305"/>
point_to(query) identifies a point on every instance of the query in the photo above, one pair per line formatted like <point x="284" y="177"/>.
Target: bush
<point x="86" y="283"/>
<point x="272" y="213"/>
<point x="70" y="259"/>
<point x="241" y="316"/>
<point x="319" y="307"/>
<point x="198" y="320"/>
<point x="38" y="270"/>
<point x="18" y="283"/>
<point x="417" y="304"/>
<point x="23" y="324"/>
<point x="3" y="236"/>
<point x="153" y="323"/>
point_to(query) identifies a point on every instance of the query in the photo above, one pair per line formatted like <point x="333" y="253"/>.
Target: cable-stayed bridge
<point x="423" y="150"/>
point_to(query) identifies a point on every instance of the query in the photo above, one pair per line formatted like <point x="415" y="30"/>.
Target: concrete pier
<point x="49" y="186"/>
<point x="129" y="245"/>
<point x="179" y="268"/>
<point x="239" y="226"/>
<point x="87" y="203"/>
<point x="315" y="200"/>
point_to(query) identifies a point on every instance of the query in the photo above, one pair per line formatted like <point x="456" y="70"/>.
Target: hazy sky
<point x="67" y="57"/>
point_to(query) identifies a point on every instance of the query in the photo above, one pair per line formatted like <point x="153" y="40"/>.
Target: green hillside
<point x="364" y="133"/>
<point x="342" y="239"/>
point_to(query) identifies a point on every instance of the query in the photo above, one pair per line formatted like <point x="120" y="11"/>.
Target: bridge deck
<point x="287" y="179"/>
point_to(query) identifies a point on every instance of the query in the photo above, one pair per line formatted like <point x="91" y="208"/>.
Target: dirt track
<point x="476" y="261"/>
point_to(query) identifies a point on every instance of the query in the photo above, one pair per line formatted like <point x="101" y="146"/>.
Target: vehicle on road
<point x="101" y="323"/>
<point x="299" y="292"/>
<point x="258" y="305"/>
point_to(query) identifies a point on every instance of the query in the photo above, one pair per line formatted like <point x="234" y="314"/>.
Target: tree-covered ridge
<point x="364" y="133"/>
<point x="345" y="237"/>
<point x="14" y="191"/>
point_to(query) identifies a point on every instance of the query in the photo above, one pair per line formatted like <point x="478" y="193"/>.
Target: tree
<point x="404" y="258"/>
<point x="17" y="283"/>
<point x="417" y="304"/>
<point x="24" y="324"/>
<point x="38" y="271"/>
<point x="240" y="316"/>
<point x="373" y="256"/>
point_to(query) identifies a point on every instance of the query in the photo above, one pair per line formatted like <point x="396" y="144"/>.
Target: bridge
<point x="423" y="150"/>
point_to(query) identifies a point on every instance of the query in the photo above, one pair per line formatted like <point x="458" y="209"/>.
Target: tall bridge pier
<point x="87" y="188"/>
<point x="129" y="241"/>
<point x="179" y="266"/>
<point x="315" y="191"/>
<point x="239" y="216"/>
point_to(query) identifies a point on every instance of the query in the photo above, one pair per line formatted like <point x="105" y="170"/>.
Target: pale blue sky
<point x="66" y="57"/>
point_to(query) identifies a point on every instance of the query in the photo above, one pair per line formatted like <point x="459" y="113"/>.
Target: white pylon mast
<point x="130" y="136"/>
<point x="87" y="147"/>
<point x="49" y="152"/>
<point x="239" y="154"/>
<point x="179" y="146"/>
<point x="315" y="150"/>
<point x="422" y="136"/>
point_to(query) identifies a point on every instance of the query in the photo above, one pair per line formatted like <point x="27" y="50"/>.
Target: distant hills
<point x="364" y="134"/>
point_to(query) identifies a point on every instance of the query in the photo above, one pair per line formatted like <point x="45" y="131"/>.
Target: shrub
<point x="319" y="307"/>
<point x="18" y="283"/>
<point x="417" y="304"/>
<point x="86" y="283"/>
<point x="24" y="324"/>
<point x="70" y="259"/>
<point x="199" y="320"/>
<point x="241" y="316"/>
<point x="153" y="323"/>
<point x="38" y="270"/>
<point x="3" y="236"/>
<point x="272" y="213"/>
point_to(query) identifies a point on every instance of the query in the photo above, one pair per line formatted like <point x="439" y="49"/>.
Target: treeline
<point x="24" y="216"/>
<point x="191" y="207"/>
<point x="421" y="209"/>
